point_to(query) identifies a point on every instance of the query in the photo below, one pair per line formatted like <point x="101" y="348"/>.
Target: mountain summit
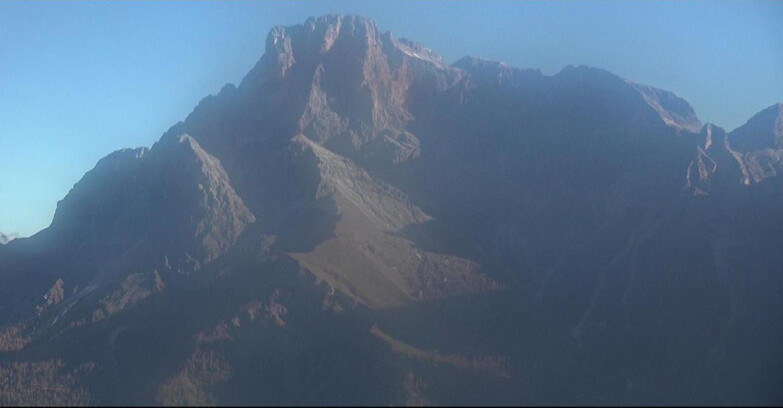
<point x="763" y="131"/>
<point x="358" y="222"/>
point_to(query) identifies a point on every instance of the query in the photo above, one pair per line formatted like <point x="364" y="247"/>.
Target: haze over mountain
<point x="357" y="222"/>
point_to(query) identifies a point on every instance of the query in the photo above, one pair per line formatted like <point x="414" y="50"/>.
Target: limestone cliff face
<point x="345" y="85"/>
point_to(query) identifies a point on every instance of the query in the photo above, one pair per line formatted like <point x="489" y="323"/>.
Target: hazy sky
<point x="81" y="79"/>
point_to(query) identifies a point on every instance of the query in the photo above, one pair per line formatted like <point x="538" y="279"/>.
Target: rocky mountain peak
<point x="344" y="42"/>
<point x="341" y="82"/>
<point x="713" y="134"/>
<point x="472" y="64"/>
<point x="117" y="165"/>
<point x="764" y="130"/>
<point x="673" y="110"/>
<point x="139" y="206"/>
<point x="716" y="166"/>
<point x="4" y="239"/>
<point x="192" y="157"/>
<point x="760" y="143"/>
<point x="413" y="49"/>
<point x="317" y="36"/>
<point x="351" y="39"/>
<point x="483" y="70"/>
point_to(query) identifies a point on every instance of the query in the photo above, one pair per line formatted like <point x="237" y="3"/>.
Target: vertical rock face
<point x="354" y="191"/>
<point x="345" y="85"/>
<point x="716" y="166"/>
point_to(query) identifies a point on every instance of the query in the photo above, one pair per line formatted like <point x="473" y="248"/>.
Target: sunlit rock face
<point x="359" y="222"/>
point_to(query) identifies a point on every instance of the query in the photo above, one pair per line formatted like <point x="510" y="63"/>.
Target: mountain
<point x="4" y="239"/>
<point x="760" y="141"/>
<point x="358" y="222"/>
<point x="762" y="131"/>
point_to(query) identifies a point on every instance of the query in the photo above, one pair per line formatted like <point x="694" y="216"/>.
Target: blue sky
<point x="81" y="79"/>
